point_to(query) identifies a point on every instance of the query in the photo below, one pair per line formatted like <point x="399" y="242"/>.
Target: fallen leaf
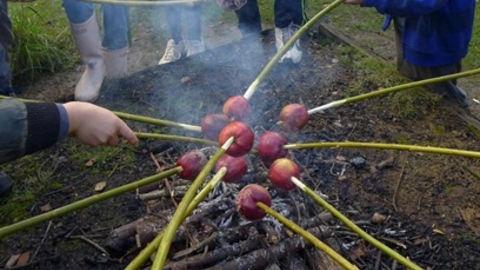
<point x="23" y="259"/>
<point x="100" y="186"/>
<point x="341" y="158"/>
<point x="342" y="178"/>
<point x="90" y="162"/>
<point x="420" y="241"/>
<point x="12" y="261"/>
<point x="45" y="208"/>
<point x="378" y="218"/>
<point x="359" y="250"/>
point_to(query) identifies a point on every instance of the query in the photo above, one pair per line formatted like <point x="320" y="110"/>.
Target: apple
<point x="236" y="167"/>
<point x="247" y="198"/>
<point x="237" y="108"/>
<point x="294" y="117"/>
<point x="212" y="124"/>
<point x="281" y="171"/>
<point x="192" y="164"/>
<point x="270" y="147"/>
<point x="244" y="138"/>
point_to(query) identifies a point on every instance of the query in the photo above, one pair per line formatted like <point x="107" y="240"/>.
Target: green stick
<point x="253" y="87"/>
<point x="176" y="220"/>
<point x="152" y="246"/>
<point x="401" y="147"/>
<point x="155" y="121"/>
<point x="7" y="230"/>
<point x="310" y="237"/>
<point x="393" y="89"/>
<point x="147" y="3"/>
<point x="390" y="252"/>
<point x="135" y="117"/>
<point x="173" y="138"/>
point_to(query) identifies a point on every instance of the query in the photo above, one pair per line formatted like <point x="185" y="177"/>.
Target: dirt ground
<point x="430" y="201"/>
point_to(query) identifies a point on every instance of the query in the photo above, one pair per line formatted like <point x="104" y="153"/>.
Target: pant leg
<point x="173" y="15"/>
<point x="115" y="27"/>
<point x="193" y="19"/>
<point x="416" y="73"/>
<point x="6" y="40"/>
<point x="249" y="21"/>
<point x="77" y="11"/>
<point x="288" y="11"/>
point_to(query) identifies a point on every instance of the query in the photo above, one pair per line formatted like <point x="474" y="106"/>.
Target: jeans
<point x="6" y="40"/>
<point x="285" y="12"/>
<point x="115" y="21"/>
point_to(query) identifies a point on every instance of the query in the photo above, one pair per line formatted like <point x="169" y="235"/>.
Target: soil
<point x="430" y="201"/>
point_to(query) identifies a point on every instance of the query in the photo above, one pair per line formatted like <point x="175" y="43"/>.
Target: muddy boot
<point x="88" y="40"/>
<point x="116" y="63"/>
<point x="6" y="184"/>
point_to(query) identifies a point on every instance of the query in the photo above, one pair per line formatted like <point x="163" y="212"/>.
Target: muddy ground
<point x="430" y="201"/>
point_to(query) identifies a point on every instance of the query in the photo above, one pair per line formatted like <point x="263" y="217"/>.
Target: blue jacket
<point x="436" y="33"/>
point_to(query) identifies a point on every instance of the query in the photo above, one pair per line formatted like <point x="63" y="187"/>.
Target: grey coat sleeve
<point x="26" y="128"/>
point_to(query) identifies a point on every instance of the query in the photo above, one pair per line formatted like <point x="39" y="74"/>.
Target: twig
<point x="198" y="246"/>
<point x="394" y="199"/>
<point x="475" y="174"/>
<point x="159" y="168"/>
<point x="42" y="242"/>
<point x="92" y="243"/>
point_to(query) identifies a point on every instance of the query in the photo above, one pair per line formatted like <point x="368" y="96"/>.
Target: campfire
<point x="247" y="196"/>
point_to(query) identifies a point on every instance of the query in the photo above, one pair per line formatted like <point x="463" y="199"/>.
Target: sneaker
<point x="194" y="46"/>
<point x="173" y="52"/>
<point x="6" y="184"/>
<point x="282" y="36"/>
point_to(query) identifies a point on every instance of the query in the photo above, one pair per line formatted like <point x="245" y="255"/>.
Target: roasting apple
<point x="281" y="172"/>
<point x="247" y="198"/>
<point x="236" y="167"/>
<point x="244" y="138"/>
<point x="270" y="147"/>
<point x="212" y="124"/>
<point x="237" y="108"/>
<point x="192" y="164"/>
<point x="294" y="117"/>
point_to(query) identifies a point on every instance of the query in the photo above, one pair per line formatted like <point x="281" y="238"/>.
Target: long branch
<point x="7" y="230"/>
<point x="393" y="89"/>
<point x="401" y="147"/>
<point x="253" y="87"/>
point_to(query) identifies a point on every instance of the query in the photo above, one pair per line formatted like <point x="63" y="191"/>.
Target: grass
<point x="43" y="42"/>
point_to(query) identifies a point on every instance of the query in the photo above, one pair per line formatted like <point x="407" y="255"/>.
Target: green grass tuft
<point x="43" y="41"/>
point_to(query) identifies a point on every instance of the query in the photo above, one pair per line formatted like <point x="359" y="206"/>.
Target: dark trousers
<point x="285" y="11"/>
<point x="193" y="18"/>
<point x="416" y="73"/>
<point x="6" y="40"/>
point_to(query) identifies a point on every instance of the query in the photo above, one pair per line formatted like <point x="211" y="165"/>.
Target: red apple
<point x="294" y="117"/>
<point x="270" y="147"/>
<point x="237" y="107"/>
<point x="192" y="164"/>
<point x="281" y="172"/>
<point x="243" y="135"/>
<point x="236" y="167"/>
<point x="212" y="124"/>
<point x="247" y="199"/>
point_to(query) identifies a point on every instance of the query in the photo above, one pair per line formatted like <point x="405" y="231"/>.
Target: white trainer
<point x="194" y="46"/>
<point x="173" y="52"/>
<point x="282" y="36"/>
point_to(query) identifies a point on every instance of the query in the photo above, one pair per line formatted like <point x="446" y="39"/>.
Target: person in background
<point x="431" y="38"/>
<point x="103" y="58"/>
<point x="289" y="16"/>
<point x="6" y="40"/>
<point x="29" y="127"/>
<point x="179" y="44"/>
